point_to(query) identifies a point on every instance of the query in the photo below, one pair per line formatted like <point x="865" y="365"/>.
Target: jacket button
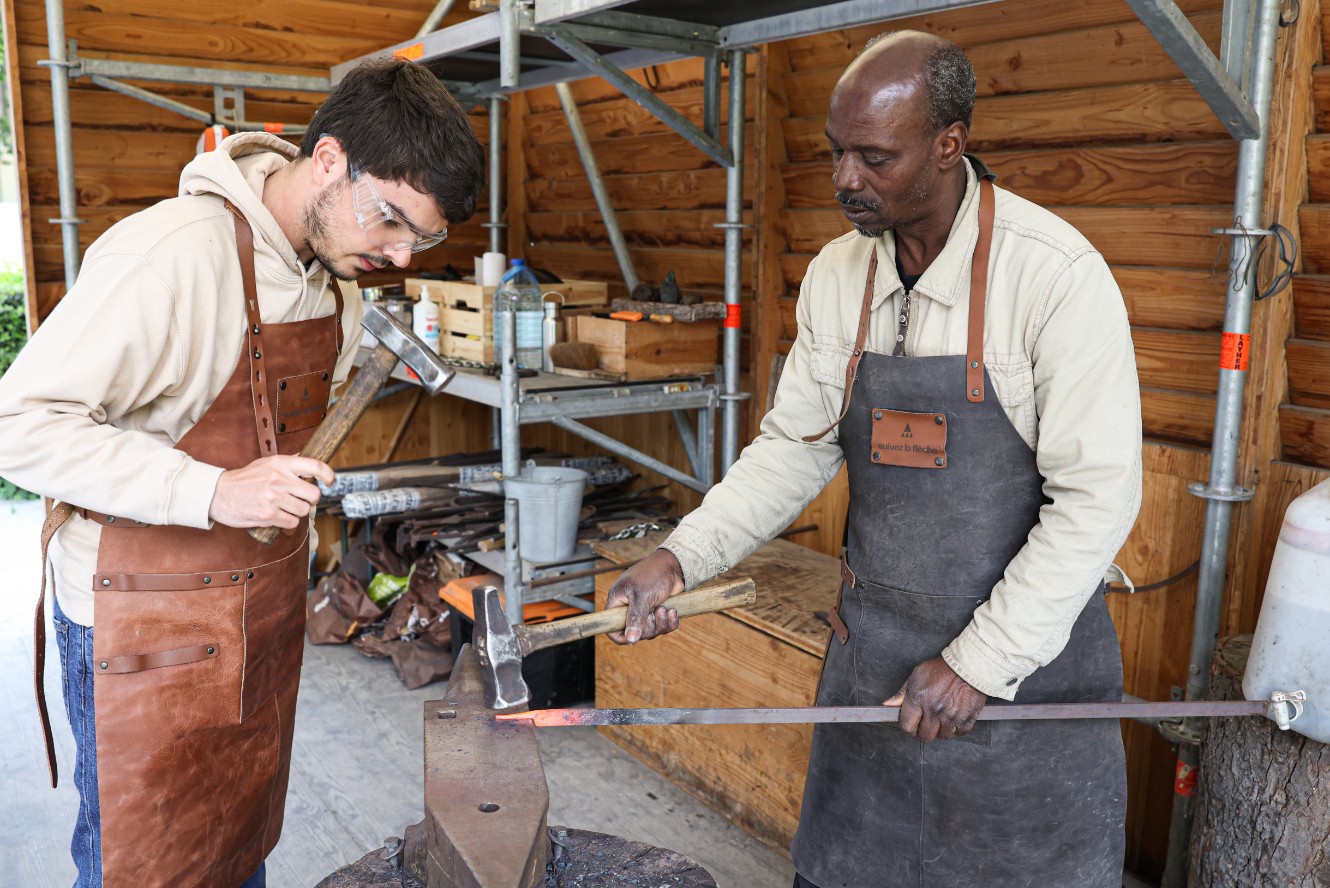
<point x="1011" y="681"/>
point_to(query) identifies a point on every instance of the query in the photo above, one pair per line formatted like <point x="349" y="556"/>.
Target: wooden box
<point x="768" y="653"/>
<point x="650" y="350"/>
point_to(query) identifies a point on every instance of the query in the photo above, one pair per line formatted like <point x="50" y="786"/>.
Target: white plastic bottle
<point x="425" y="319"/>
<point x="520" y="292"/>
<point x="1291" y="650"/>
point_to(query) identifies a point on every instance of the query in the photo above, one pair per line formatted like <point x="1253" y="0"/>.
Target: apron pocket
<point x="274" y="625"/>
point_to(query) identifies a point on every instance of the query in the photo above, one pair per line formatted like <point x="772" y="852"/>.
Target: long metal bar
<point x="206" y="76"/>
<point x="1235" y="40"/>
<point x="1190" y="53"/>
<point x="510" y="43"/>
<point x="593" y="60"/>
<point x="706" y="445"/>
<point x="152" y="98"/>
<point x="876" y="714"/>
<point x="512" y="457"/>
<point x="436" y="15"/>
<point x="829" y="17"/>
<point x="684" y="424"/>
<point x="496" y="175"/>
<point x="711" y="95"/>
<point x="734" y="210"/>
<point x="550" y="11"/>
<point x="1247" y="211"/>
<point x="630" y="21"/>
<point x="639" y="39"/>
<point x="598" y="188"/>
<point x="548" y="75"/>
<point x="64" y="138"/>
<point x="615" y="446"/>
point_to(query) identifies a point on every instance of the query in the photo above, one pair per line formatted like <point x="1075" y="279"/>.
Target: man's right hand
<point x="643" y="587"/>
<point x="269" y="492"/>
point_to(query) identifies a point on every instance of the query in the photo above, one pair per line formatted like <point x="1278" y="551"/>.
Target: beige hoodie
<point x="138" y="349"/>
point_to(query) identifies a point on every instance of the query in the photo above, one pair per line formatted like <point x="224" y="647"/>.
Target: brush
<point x="574" y="355"/>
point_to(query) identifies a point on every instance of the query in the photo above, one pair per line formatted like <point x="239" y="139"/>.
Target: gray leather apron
<point x="1011" y="804"/>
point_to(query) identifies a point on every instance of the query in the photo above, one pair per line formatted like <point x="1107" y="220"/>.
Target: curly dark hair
<point x="398" y="123"/>
<point x="948" y="77"/>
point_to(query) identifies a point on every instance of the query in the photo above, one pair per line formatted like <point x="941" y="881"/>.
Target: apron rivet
<point x="939" y="419"/>
<point x="877" y="414"/>
<point x="876" y="456"/>
<point x="207" y="580"/>
<point x="939" y="461"/>
<point x="974" y="365"/>
<point x="110" y="519"/>
<point x="212" y="650"/>
<point x="256" y="329"/>
<point x="257" y="355"/>
<point x="103" y="664"/>
<point x="281" y="426"/>
<point x="323" y="416"/>
<point x="249" y="575"/>
<point x="235" y="578"/>
<point x="974" y="393"/>
<point x="281" y="385"/>
<point x="106" y="582"/>
<point x="325" y="377"/>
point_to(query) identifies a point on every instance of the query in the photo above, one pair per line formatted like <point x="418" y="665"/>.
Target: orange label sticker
<point x="733" y="314"/>
<point x="410" y="53"/>
<point x="274" y="127"/>
<point x="1233" y="351"/>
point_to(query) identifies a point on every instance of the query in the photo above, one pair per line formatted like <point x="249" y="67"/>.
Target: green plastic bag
<point x="385" y="588"/>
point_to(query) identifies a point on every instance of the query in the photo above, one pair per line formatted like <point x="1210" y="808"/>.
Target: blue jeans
<point x="75" y="644"/>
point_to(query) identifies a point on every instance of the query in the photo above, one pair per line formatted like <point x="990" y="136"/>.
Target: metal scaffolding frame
<point x="530" y="43"/>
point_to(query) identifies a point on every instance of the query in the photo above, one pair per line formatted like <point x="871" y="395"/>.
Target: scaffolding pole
<point x="59" y="65"/>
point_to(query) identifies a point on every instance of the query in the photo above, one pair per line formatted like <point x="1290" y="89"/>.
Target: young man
<point x="967" y="356"/>
<point x="163" y="401"/>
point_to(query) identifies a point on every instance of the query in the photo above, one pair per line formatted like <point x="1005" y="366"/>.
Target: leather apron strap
<point x="974" y="347"/>
<point x="56" y="518"/>
<point x="264" y="424"/>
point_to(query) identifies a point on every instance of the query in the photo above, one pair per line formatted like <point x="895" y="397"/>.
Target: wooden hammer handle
<point x="342" y="418"/>
<point x="700" y="601"/>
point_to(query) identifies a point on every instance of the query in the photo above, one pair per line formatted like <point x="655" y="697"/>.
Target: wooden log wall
<point x="1079" y="110"/>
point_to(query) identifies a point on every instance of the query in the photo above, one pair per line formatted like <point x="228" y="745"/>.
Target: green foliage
<point x="13" y="333"/>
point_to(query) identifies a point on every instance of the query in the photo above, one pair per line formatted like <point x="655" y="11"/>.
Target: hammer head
<point x="498" y="650"/>
<point x="409" y="348"/>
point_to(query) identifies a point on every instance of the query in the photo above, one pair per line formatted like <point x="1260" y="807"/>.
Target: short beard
<point x="918" y="195"/>
<point x="316" y="229"/>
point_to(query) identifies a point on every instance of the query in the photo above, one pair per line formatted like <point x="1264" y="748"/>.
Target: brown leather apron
<point x="944" y="495"/>
<point x="199" y="637"/>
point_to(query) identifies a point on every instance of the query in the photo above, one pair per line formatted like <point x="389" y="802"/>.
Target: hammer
<point x="500" y="647"/>
<point x="394" y="343"/>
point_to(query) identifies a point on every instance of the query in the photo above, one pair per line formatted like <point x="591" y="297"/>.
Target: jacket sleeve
<point x="67" y="404"/>
<point x="775" y="477"/>
<point x="1087" y="398"/>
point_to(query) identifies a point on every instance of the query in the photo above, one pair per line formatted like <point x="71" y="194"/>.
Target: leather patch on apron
<point x="913" y="440"/>
<point x="302" y="401"/>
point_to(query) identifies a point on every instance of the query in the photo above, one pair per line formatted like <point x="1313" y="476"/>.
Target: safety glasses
<point x="372" y="211"/>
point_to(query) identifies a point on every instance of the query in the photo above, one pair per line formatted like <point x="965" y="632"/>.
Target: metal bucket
<point x="549" y="504"/>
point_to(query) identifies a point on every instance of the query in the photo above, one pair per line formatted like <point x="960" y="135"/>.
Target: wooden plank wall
<point x="1079" y="110"/>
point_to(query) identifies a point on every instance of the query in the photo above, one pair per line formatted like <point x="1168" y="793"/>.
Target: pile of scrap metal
<point x="413" y="525"/>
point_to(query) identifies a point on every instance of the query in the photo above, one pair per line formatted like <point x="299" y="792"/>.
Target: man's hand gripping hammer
<point x="394" y="342"/>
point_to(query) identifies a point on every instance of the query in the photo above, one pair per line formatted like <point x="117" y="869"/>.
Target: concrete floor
<point x="356" y="771"/>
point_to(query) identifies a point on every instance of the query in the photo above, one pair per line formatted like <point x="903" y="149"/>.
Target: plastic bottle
<point x="1291" y="649"/>
<point x="425" y="319"/>
<point x="520" y="292"/>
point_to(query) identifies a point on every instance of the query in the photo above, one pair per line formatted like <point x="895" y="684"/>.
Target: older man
<point x="967" y="356"/>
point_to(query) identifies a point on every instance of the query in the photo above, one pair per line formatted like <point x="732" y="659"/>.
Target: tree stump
<point x="1263" y="800"/>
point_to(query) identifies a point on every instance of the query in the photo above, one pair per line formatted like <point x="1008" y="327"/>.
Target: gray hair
<point x="949" y="80"/>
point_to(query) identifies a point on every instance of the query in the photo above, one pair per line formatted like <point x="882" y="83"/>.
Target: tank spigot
<point x="1282" y="703"/>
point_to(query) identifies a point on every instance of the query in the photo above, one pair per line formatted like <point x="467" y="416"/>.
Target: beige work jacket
<point x="1058" y="349"/>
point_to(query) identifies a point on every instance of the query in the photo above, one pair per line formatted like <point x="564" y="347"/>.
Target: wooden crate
<point x="648" y="350"/>
<point x="465" y="348"/>
<point x="450" y="293"/>
<point x="768" y="653"/>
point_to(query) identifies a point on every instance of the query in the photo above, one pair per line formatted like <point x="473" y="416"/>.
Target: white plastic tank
<point x="1291" y="650"/>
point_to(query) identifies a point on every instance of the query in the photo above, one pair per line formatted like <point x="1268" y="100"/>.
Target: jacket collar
<point x="948" y="277"/>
